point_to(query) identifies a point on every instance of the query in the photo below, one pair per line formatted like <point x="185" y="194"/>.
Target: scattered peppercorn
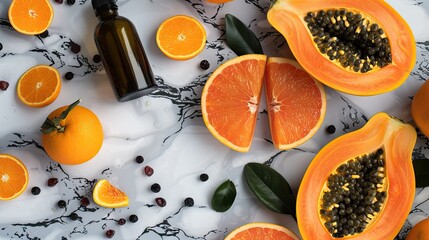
<point x="52" y="182"/>
<point x="160" y="201"/>
<point x="61" y="204"/>
<point x="122" y="221"/>
<point x="59" y="1"/>
<point x="84" y="202"/>
<point x="96" y="58"/>
<point x="1" y="46"/>
<point x="44" y="34"/>
<point x="189" y="202"/>
<point x="148" y="171"/>
<point x="204" y="177"/>
<point x="74" y="47"/>
<point x="139" y="159"/>
<point x="155" y="188"/>
<point x="110" y="233"/>
<point x="4" y="85"/>
<point x="35" y="190"/>
<point x="133" y="218"/>
<point x="73" y="216"/>
<point x="69" y="75"/>
<point x="71" y="2"/>
<point x="204" y="64"/>
<point x="330" y="129"/>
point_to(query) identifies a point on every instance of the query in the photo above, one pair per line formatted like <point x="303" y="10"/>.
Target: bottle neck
<point x="107" y="14"/>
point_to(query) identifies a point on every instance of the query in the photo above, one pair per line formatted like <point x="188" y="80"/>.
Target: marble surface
<point x="166" y="128"/>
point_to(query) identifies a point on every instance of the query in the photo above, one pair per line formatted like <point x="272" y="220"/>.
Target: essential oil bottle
<point x="122" y="53"/>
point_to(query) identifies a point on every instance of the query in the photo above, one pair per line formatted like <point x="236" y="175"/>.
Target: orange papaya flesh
<point x="362" y="49"/>
<point x="383" y="192"/>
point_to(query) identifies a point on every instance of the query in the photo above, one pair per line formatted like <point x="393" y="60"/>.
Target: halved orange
<point x="296" y="103"/>
<point x="30" y="17"/>
<point x="261" y="231"/>
<point x="39" y="86"/>
<point x="106" y="195"/>
<point x="230" y="100"/>
<point x="13" y="177"/>
<point x="181" y="37"/>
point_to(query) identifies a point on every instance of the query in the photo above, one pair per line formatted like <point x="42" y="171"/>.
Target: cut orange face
<point x="181" y="37"/>
<point x="30" y="17"/>
<point x="230" y="100"/>
<point x="261" y="231"/>
<point x="13" y="177"/>
<point x="296" y="103"/>
<point x="108" y="196"/>
<point x="39" y="86"/>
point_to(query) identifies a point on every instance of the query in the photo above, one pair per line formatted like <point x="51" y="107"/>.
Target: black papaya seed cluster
<point x="355" y="42"/>
<point x="354" y="195"/>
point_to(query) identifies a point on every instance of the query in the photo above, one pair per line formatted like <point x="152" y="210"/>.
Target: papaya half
<point x="357" y="47"/>
<point x="361" y="185"/>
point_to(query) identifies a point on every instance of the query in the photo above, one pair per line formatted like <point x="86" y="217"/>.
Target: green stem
<point x="53" y="124"/>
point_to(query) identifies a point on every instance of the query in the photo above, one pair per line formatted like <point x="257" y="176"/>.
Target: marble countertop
<point x="165" y="127"/>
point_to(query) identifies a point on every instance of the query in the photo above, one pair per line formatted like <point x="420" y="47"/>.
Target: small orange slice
<point x="108" y="196"/>
<point x="261" y="231"/>
<point x="181" y="37"/>
<point x="230" y="100"/>
<point x="296" y="103"/>
<point x="13" y="177"/>
<point x="30" y="17"/>
<point x="39" y="86"/>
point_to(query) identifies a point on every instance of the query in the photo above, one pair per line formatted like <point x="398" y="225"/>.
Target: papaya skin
<point x="287" y="16"/>
<point x="381" y="131"/>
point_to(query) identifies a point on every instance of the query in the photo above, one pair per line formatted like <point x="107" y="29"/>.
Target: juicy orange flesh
<point x="12" y="177"/>
<point x="259" y="233"/>
<point x="111" y="195"/>
<point x="236" y="87"/>
<point x="31" y="15"/>
<point x="294" y="100"/>
<point x="38" y="85"/>
<point x="181" y="36"/>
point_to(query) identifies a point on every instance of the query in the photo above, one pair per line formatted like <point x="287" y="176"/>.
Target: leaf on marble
<point x="224" y="196"/>
<point x="240" y="38"/>
<point x="271" y="188"/>
<point x="421" y="171"/>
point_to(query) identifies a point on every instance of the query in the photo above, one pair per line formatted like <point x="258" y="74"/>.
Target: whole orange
<point x="420" y="231"/>
<point x="420" y="108"/>
<point x="72" y="134"/>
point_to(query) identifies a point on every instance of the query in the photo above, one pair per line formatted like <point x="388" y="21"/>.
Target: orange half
<point x="106" y="195"/>
<point x="30" y="17"/>
<point x="261" y="231"/>
<point x="296" y="103"/>
<point x="13" y="177"/>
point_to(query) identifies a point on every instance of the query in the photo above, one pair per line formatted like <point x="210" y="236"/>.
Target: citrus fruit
<point x="181" y="37"/>
<point x="420" y="231"/>
<point x="106" y="195"/>
<point x="261" y="231"/>
<point x="230" y="100"/>
<point x="30" y="17"/>
<point x="39" y="86"/>
<point x="72" y="134"/>
<point x="296" y="103"/>
<point x="13" y="177"/>
<point x="420" y="108"/>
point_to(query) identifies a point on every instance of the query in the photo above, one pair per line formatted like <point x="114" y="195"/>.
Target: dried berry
<point x="204" y="177"/>
<point x="35" y="190"/>
<point x="330" y="129"/>
<point x="4" y="85"/>
<point x="160" y="201"/>
<point x="155" y="188"/>
<point x="52" y="182"/>
<point x="61" y="204"/>
<point x="44" y="34"/>
<point x="133" y="218"/>
<point x="69" y="75"/>
<point x="59" y="1"/>
<point x="139" y="159"/>
<point x="189" y="202"/>
<point x="74" y="47"/>
<point x="74" y="216"/>
<point x="148" y="171"/>
<point x="96" y="58"/>
<point x="71" y="2"/>
<point x="84" y="202"/>
<point x="204" y="64"/>
<point x="110" y="233"/>
<point x="122" y="221"/>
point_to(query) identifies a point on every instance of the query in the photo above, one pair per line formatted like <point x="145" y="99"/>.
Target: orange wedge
<point x="296" y="103"/>
<point x="108" y="196"/>
<point x="13" y="177"/>
<point x="39" y="86"/>
<point x="30" y="17"/>
<point x="181" y="37"/>
<point x="261" y="231"/>
<point x="230" y="100"/>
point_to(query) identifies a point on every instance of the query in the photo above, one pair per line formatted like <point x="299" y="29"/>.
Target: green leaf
<point x="240" y="38"/>
<point x="224" y="196"/>
<point x="50" y="125"/>
<point x="271" y="188"/>
<point x="421" y="171"/>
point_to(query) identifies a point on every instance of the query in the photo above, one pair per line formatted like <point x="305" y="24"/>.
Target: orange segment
<point x="39" y="86"/>
<point x="13" y="177"/>
<point x="261" y="231"/>
<point x="230" y="100"/>
<point x="181" y="37"/>
<point x="30" y="16"/>
<point x="296" y="103"/>
<point x="106" y="195"/>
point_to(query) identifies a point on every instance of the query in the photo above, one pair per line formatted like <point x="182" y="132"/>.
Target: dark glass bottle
<point x="122" y="53"/>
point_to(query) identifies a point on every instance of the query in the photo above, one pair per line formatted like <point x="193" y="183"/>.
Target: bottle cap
<point x="99" y="5"/>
